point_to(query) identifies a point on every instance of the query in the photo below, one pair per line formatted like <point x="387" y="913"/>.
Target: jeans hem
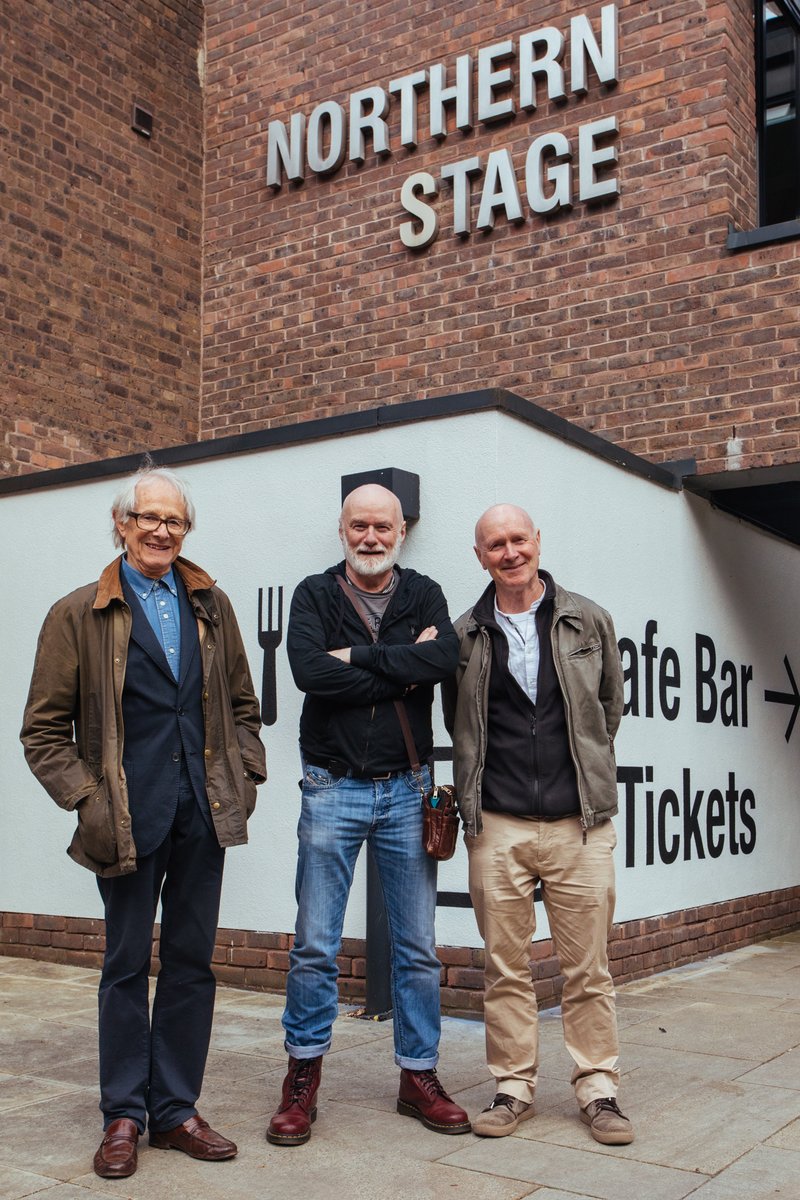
<point x="416" y="1064"/>
<point x="303" y="1052"/>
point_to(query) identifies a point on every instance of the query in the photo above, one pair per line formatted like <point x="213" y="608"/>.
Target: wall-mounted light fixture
<point x="404" y="484"/>
<point x="142" y="120"/>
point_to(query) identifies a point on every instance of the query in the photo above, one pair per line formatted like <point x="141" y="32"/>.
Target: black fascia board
<point x="454" y="404"/>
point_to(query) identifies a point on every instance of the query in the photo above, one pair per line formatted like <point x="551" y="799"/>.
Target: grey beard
<point x="369" y="565"/>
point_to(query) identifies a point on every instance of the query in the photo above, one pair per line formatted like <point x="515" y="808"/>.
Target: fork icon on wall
<point x="269" y="639"/>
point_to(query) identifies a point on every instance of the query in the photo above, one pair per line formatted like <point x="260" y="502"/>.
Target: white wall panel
<point x="268" y="518"/>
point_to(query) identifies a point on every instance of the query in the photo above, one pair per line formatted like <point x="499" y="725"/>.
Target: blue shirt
<point x="159" y="599"/>
<point x="523" y="645"/>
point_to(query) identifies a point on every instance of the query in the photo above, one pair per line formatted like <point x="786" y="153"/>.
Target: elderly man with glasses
<point x="142" y="718"/>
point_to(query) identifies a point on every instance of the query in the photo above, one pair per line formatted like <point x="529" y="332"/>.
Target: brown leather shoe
<point x="196" y="1138"/>
<point x="116" y="1155"/>
<point x="291" y="1124"/>
<point x="422" y="1096"/>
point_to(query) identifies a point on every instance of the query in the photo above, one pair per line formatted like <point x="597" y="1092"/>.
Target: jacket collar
<point x="564" y="604"/>
<point x="109" y="585"/>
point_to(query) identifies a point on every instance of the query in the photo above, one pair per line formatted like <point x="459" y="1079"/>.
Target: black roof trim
<point x="669" y="475"/>
<point x="765" y="235"/>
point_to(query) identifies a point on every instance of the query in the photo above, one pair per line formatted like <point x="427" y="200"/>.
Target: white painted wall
<point x="269" y="518"/>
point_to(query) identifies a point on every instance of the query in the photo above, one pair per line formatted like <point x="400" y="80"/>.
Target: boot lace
<point x="430" y="1082"/>
<point x="302" y="1080"/>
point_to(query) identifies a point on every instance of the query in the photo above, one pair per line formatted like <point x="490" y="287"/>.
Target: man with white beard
<point x="362" y="636"/>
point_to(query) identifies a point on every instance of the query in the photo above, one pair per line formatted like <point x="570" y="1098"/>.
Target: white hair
<point x="125" y="499"/>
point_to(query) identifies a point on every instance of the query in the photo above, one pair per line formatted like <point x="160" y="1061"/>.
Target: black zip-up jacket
<point x="348" y="714"/>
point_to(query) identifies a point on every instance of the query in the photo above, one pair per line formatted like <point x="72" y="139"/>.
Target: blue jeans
<point x="338" y="815"/>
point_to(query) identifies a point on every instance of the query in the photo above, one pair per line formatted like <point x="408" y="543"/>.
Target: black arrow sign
<point x="792" y="697"/>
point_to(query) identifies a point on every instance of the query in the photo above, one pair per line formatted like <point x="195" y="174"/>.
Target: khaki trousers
<point x="506" y="861"/>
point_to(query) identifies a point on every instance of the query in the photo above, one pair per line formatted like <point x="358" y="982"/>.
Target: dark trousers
<point x="153" y="1068"/>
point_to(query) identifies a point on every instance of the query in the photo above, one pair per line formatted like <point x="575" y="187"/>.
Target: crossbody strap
<point x="402" y="715"/>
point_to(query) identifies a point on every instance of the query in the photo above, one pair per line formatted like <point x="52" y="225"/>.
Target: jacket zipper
<point x="535" y="769"/>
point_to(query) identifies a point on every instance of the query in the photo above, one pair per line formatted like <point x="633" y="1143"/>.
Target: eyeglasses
<point x="150" y="522"/>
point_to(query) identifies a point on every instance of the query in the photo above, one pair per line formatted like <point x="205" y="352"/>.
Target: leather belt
<point x="342" y="769"/>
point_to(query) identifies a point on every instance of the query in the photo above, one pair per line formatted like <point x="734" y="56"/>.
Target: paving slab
<point x="14" y="1184"/>
<point x="721" y="1030"/>
<point x="703" y="1129"/>
<point x="369" y="1155"/>
<point x="21" y="1091"/>
<point x="43" y="1048"/>
<point x="57" y="1138"/>
<point x="764" y="1174"/>
<point x="787" y="1138"/>
<point x="41" y="999"/>
<point x="605" y="1176"/>
<point x="783" y="1071"/>
<point x="38" y="969"/>
<point x="675" y="996"/>
<point x="709" y="1058"/>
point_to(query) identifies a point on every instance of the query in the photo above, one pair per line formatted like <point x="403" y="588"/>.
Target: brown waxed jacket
<point x="72" y="729"/>
<point x="589" y="671"/>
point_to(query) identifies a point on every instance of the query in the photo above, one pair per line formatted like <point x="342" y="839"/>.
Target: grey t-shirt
<point x="375" y="603"/>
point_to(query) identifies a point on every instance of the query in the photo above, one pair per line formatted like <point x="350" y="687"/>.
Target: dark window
<point x="778" y="50"/>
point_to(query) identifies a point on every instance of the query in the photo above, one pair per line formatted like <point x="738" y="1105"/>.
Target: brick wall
<point x="100" y="270"/>
<point x="632" y="319"/>
<point x="259" y="961"/>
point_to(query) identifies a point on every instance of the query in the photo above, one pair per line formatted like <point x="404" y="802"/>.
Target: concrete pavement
<point x="711" y="1079"/>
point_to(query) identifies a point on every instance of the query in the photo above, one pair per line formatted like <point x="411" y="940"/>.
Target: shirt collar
<point x="142" y="584"/>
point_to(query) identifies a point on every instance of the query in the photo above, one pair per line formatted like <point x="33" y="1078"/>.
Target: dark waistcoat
<point x="528" y="770"/>
<point x="163" y="724"/>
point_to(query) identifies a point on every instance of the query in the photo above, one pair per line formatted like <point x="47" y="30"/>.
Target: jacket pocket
<point x="250" y="793"/>
<point x="583" y="669"/>
<point x="96" y="827"/>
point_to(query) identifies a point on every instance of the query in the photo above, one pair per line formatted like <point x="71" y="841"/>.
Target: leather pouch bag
<point x="440" y="822"/>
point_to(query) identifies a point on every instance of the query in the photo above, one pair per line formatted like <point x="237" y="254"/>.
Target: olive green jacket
<point x="589" y="670"/>
<point x="72" y="729"/>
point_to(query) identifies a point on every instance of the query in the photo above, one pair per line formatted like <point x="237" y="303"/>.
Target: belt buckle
<point x="381" y="778"/>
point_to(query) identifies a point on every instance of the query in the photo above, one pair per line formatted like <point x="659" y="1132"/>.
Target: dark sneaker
<point x="606" y="1123"/>
<point x="502" y="1116"/>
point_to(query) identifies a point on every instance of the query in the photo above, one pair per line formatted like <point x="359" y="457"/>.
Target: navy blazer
<point x="163" y="724"/>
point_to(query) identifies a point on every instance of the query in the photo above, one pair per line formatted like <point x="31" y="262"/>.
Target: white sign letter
<point x="559" y="173"/>
<point x="285" y="151"/>
<point x="589" y="157"/>
<point x="408" y="87"/>
<point x="412" y="236"/>
<point x="549" y="64"/>
<point x="441" y="95"/>
<point x="499" y="190"/>
<point x="461" y="173"/>
<point x="583" y="44"/>
<point x="331" y="114"/>
<point x="370" y="118"/>
<point x="490" y="109"/>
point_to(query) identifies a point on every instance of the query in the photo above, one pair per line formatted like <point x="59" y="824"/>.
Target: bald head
<point x="372" y="496"/>
<point x="502" y="514"/>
